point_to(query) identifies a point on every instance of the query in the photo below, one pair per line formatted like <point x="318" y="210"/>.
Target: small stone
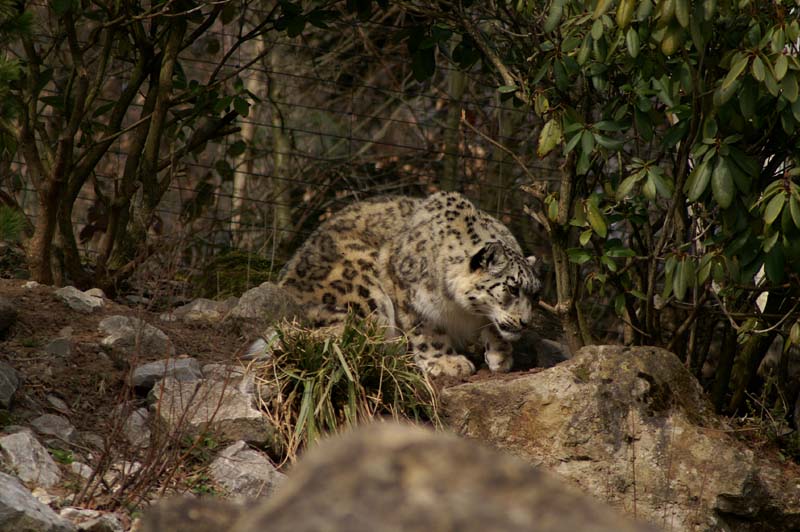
<point x="137" y="429"/>
<point x="81" y="469"/>
<point x="20" y="510"/>
<point x="201" y="310"/>
<point x="58" y="404"/>
<point x="30" y="284"/>
<point x="31" y="461"/>
<point x="56" y="426"/>
<point x="245" y="472"/>
<point x="77" y="300"/>
<point x="181" y="369"/>
<point x="61" y="347"/>
<point x="9" y="384"/>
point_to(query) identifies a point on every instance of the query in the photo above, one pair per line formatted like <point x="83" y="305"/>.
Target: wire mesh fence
<point x="335" y="116"/>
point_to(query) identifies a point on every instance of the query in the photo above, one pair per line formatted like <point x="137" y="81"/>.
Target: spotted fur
<point x="438" y="270"/>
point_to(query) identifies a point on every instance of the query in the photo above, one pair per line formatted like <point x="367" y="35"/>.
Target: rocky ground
<point x="106" y="408"/>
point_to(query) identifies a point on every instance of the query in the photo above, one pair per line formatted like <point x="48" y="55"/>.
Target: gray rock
<point x="58" y="403"/>
<point x="201" y="310"/>
<point x="632" y="427"/>
<point x="137" y="428"/>
<point x="61" y="347"/>
<point x="93" y="520"/>
<point x="21" y="511"/>
<point x="81" y="469"/>
<point x="266" y="303"/>
<point x="56" y="426"/>
<point x="240" y="378"/>
<point x="29" y="285"/>
<point x="133" y="336"/>
<point x="245" y="472"/>
<point x="198" y="406"/>
<point x="77" y="300"/>
<point x="390" y="477"/>
<point x="8" y="315"/>
<point x="9" y="384"/>
<point x="182" y="369"/>
<point x="29" y="459"/>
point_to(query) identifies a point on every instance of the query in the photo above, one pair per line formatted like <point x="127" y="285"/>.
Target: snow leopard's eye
<point x="513" y="289"/>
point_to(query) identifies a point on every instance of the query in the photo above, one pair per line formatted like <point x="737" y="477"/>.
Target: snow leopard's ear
<point x="492" y="256"/>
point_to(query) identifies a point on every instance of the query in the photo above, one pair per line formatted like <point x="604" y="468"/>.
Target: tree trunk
<point x="281" y="147"/>
<point x="457" y="81"/>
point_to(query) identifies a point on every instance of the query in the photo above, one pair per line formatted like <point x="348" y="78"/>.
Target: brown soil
<point x="88" y="380"/>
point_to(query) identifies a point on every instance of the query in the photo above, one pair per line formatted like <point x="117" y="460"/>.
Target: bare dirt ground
<point x="88" y="380"/>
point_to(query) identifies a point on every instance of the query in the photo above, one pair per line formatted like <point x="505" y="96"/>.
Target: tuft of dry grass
<point x="320" y="381"/>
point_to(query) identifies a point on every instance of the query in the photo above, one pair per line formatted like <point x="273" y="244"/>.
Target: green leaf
<point x="241" y="106"/>
<point x="781" y="66"/>
<point x="578" y="255"/>
<point x="722" y="185"/>
<point x="649" y="188"/>
<point x="597" y="27"/>
<point x="789" y="87"/>
<point x="794" y="210"/>
<point x="769" y="242"/>
<point x="698" y="181"/>
<point x="664" y="187"/>
<point x="549" y="137"/>
<point x="620" y="252"/>
<point x="596" y="219"/>
<point x="628" y="183"/>
<point x="680" y="281"/>
<point x="632" y="42"/>
<point x="585" y="237"/>
<point x="758" y="69"/>
<point x="506" y="89"/>
<point x="587" y="142"/>
<point x="774" y="208"/>
<point x="736" y="70"/>
<point x="553" y="15"/>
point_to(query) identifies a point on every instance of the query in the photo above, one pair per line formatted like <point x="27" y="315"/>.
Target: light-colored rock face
<point x="216" y="406"/>
<point x="132" y="336"/>
<point x="77" y="300"/>
<point x="19" y="510"/>
<point x="630" y="426"/>
<point x="245" y="473"/>
<point x="29" y="459"/>
<point x="392" y="477"/>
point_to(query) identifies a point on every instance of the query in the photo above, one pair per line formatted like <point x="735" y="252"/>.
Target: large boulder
<point x="21" y="511"/>
<point x="391" y="477"/>
<point x="632" y="427"/>
<point x="198" y="406"/>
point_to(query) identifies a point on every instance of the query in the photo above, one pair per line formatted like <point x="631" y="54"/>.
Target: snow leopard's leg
<point x="435" y="355"/>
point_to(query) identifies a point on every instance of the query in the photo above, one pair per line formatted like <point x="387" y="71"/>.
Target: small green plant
<point x="201" y="484"/>
<point x="232" y="273"/>
<point x="200" y="449"/>
<point x="30" y="342"/>
<point x="767" y="420"/>
<point x="327" y="379"/>
<point x="62" y="456"/>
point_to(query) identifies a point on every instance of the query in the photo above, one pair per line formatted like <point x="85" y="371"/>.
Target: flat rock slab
<point x="245" y="472"/>
<point x="201" y="310"/>
<point x="20" y="510"/>
<point x="55" y="426"/>
<point x="133" y="336"/>
<point x="77" y="300"/>
<point x="198" y="406"/>
<point x="29" y="459"/>
<point x="182" y="369"/>
<point x="632" y="427"/>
